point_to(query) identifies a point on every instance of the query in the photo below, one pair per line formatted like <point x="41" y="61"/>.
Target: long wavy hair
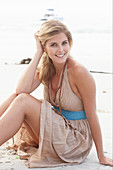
<point x="48" y="30"/>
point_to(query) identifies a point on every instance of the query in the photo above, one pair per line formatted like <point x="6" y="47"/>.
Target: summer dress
<point x="58" y="144"/>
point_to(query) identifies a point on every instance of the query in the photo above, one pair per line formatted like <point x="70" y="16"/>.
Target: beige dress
<point x="58" y="145"/>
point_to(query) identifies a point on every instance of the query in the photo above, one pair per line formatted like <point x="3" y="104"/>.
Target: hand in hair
<point x="39" y="47"/>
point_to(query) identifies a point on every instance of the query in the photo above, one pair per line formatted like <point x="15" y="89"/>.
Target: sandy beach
<point x="91" y="25"/>
<point x="9" y="75"/>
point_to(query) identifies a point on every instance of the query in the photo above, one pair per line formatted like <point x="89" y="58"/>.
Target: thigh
<point x="6" y="103"/>
<point x="32" y="109"/>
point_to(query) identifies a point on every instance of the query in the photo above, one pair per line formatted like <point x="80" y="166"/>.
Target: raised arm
<point x="29" y="80"/>
<point x="87" y="89"/>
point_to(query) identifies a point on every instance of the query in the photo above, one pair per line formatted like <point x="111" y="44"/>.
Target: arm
<point x="87" y="89"/>
<point x="29" y="80"/>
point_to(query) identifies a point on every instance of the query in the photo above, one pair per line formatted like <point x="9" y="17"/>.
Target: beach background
<point x="90" y="22"/>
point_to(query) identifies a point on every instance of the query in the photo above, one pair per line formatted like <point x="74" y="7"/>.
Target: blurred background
<point x="90" y="22"/>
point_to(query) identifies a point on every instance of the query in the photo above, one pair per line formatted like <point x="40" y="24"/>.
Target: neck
<point x="59" y="67"/>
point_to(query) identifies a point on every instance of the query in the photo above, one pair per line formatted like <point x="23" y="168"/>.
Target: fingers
<point x="110" y="163"/>
<point x="39" y="46"/>
<point x="107" y="161"/>
<point x="36" y="34"/>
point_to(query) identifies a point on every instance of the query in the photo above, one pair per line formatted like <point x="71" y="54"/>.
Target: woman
<point x="59" y="129"/>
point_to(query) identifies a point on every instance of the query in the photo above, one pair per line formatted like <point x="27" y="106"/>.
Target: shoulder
<point x="79" y="74"/>
<point x="84" y="82"/>
<point x="74" y="65"/>
<point x="77" y="69"/>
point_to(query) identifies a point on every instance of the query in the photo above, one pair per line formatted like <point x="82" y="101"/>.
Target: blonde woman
<point x="60" y="129"/>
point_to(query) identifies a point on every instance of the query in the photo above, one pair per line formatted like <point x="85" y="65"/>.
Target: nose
<point x="60" y="48"/>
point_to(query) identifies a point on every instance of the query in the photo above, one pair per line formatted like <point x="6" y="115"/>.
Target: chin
<point x="60" y="60"/>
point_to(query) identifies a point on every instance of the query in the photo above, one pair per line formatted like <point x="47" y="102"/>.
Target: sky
<point x="79" y="12"/>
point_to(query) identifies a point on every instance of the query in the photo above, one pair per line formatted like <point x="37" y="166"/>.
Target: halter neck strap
<point x="60" y="87"/>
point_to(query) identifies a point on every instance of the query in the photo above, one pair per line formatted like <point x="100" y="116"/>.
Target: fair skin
<point x="21" y="106"/>
<point x="25" y="108"/>
<point x="58" y="50"/>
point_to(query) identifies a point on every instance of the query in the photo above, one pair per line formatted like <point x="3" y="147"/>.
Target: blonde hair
<point x="47" y="31"/>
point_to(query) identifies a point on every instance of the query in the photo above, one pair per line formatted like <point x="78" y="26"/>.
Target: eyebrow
<point x="56" y="42"/>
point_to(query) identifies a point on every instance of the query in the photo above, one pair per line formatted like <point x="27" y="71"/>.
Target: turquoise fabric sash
<point x="72" y="115"/>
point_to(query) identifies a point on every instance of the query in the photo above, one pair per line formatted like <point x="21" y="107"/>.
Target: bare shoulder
<point x="76" y="69"/>
<point x="83" y="84"/>
<point x="78" y="72"/>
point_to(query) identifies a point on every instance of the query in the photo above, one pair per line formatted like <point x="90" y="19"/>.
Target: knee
<point x="22" y="98"/>
<point x="14" y="95"/>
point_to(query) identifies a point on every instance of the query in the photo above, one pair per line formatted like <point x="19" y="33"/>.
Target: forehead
<point x="58" y="38"/>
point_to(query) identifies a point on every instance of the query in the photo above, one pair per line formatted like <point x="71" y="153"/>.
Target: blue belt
<point x="72" y="115"/>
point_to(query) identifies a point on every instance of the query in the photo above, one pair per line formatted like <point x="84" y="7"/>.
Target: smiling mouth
<point x="60" y="56"/>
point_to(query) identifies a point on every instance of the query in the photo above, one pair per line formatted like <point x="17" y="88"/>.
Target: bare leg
<point x="30" y="132"/>
<point x="4" y="106"/>
<point x="6" y="103"/>
<point x="23" y="108"/>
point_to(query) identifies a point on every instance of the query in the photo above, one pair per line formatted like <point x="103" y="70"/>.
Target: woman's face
<point x="58" y="48"/>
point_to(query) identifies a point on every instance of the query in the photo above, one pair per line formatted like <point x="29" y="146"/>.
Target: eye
<point x="64" y="42"/>
<point x="53" y="44"/>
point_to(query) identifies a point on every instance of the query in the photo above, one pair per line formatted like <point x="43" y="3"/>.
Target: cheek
<point x="68" y="47"/>
<point x="50" y="51"/>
